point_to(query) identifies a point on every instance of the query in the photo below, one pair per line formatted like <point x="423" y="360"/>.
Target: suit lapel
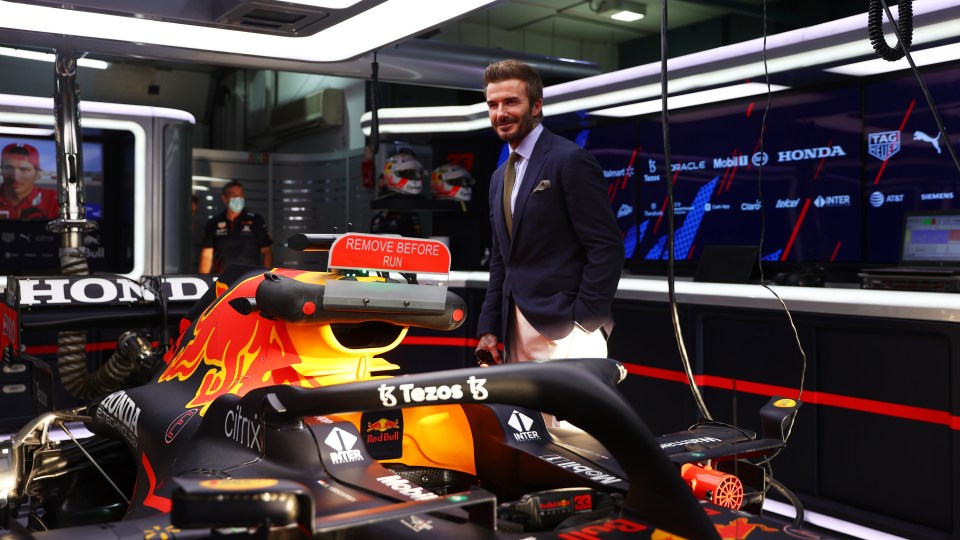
<point x="530" y="177"/>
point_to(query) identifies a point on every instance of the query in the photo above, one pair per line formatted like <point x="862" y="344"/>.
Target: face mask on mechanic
<point x="236" y="204"/>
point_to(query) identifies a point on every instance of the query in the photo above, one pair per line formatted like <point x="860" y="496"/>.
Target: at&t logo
<point x="877" y="199"/>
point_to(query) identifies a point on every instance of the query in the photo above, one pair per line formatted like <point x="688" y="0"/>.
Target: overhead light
<point x="49" y="57"/>
<point x="620" y="10"/>
<point x="822" y="44"/>
<point x="325" y="4"/>
<point x="925" y="57"/>
<point x="385" y="23"/>
<point x="689" y="100"/>
<point x="211" y="179"/>
<point x="99" y="107"/>
<point x="33" y="132"/>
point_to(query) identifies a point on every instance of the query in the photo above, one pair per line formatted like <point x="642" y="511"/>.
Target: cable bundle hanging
<point x="904" y="24"/>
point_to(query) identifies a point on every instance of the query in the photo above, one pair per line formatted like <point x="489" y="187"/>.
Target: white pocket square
<point x="542" y="186"/>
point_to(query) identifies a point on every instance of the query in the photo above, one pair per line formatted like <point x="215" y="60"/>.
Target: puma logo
<point x="921" y="136"/>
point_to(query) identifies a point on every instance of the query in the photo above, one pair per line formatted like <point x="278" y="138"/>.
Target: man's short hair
<point x="514" y="69"/>
<point x="25" y="152"/>
<point x="230" y="184"/>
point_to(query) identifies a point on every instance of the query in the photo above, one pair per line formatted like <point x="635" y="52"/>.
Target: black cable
<point x="374" y="105"/>
<point x="903" y="43"/>
<point x="875" y="28"/>
<point x="763" y="228"/>
<point x="671" y="292"/>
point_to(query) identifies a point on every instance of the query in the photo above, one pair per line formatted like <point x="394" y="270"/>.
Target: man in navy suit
<point x="557" y="253"/>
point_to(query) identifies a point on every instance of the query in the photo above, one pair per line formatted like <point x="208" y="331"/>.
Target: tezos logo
<point x="522" y="423"/>
<point x="343" y="442"/>
<point x="411" y="393"/>
<point x="760" y="159"/>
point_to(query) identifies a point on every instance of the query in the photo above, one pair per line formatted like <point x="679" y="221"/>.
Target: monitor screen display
<point x="616" y="151"/>
<point x="809" y="182"/>
<point x="28" y="202"/>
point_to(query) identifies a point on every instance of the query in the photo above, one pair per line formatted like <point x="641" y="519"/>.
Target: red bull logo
<point x="596" y="532"/>
<point x="382" y="425"/>
<point x="741" y="528"/>
<point x="237" y="353"/>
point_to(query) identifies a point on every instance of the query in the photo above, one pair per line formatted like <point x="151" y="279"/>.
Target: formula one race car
<point x="274" y="417"/>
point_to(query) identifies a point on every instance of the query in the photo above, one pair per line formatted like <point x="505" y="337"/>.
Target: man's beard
<point x="524" y="125"/>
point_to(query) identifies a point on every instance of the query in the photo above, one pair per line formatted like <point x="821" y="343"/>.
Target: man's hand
<point x="487" y="352"/>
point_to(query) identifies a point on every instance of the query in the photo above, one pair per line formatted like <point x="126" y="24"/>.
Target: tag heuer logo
<point x="883" y="145"/>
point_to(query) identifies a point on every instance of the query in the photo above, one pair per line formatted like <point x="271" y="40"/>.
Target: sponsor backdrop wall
<point x="835" y="171"/>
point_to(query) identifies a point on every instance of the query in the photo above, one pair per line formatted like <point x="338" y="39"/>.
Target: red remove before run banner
<point x="390" y="253"/>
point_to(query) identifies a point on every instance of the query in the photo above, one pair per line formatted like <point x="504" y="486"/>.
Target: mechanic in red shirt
<point x="20" y="198"/>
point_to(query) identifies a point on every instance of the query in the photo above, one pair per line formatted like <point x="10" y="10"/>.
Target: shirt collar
<point x="525" y="148"/>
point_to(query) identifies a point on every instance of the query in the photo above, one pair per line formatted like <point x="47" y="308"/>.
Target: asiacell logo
<point x="342" y="442"/>
<point x="884" y="144"/>
<point x="119" y="411"/>
<point x="411" y="393"/>
<point x="521" y="425"/>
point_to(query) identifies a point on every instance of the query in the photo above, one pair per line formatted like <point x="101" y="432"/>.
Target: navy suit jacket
<point x="564" y="261"/>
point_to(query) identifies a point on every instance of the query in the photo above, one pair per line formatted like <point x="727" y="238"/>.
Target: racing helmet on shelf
<point x="450" y="181"/>
<point x="402" y="174"/>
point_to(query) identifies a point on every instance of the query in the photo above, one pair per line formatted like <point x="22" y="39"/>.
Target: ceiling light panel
<point x="382" y="24"/>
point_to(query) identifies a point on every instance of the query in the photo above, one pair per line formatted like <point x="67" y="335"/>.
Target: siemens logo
<point x="936" y="196"/>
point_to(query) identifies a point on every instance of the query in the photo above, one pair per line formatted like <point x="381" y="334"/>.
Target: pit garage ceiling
<point x="448" y="53"/>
